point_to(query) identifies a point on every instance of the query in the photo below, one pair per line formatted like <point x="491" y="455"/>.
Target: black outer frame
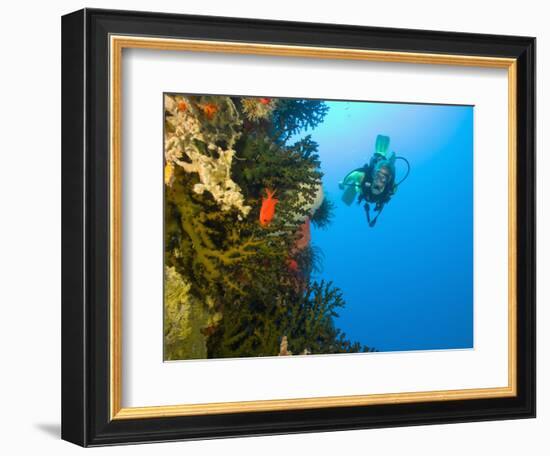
<point x="85" y="227"/>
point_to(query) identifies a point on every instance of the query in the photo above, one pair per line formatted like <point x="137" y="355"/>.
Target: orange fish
<point x="265" y="100"/>
<point x="182" y="106"/>
<point x="210" y="110"/>
<point x="292" y="264"/>
<point x="267" y="211"/>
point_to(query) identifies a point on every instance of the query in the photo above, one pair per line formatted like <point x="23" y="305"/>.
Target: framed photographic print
<point x="278" y="227"/>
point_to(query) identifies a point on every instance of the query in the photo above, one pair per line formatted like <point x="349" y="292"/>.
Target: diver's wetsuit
<point x="366" y="186"/>
<point x="374" y="183"/>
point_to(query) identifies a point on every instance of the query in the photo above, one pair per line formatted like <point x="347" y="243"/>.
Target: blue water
<point x="407" y="282"/>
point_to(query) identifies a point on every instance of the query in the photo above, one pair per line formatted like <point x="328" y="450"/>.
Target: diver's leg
<point x="367" y="211"/>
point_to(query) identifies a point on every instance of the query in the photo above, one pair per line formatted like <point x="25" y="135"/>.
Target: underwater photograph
<point x="315" y="227"/>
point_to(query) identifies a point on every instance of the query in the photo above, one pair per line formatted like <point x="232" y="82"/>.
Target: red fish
<point x="267" y="211"/>
<point x="209" y="110"/>
<point x="265" y="100"/>
<point x="182" y="106"/>
<point x="292" y="265"/>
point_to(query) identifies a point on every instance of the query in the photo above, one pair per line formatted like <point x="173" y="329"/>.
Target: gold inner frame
<point x="117" y="44"/>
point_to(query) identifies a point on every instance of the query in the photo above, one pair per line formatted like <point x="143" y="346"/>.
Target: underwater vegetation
<point x="240" y="198"/>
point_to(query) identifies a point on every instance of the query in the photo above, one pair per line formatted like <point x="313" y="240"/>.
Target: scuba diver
<point x="374" y="182"/>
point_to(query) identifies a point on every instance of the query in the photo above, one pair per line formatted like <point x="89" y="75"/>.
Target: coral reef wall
<point x="239" y="199"/>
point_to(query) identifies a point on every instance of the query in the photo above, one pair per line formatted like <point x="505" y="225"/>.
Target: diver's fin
<point x="351" y="185"/>
<point x="349" y="195"/>
<point x="354" y="177"/>
<point x="382" y="144"/>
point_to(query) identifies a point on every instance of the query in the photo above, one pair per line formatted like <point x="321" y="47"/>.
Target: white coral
<point x="214" y="170"/>
<point x="215" y="178"/>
